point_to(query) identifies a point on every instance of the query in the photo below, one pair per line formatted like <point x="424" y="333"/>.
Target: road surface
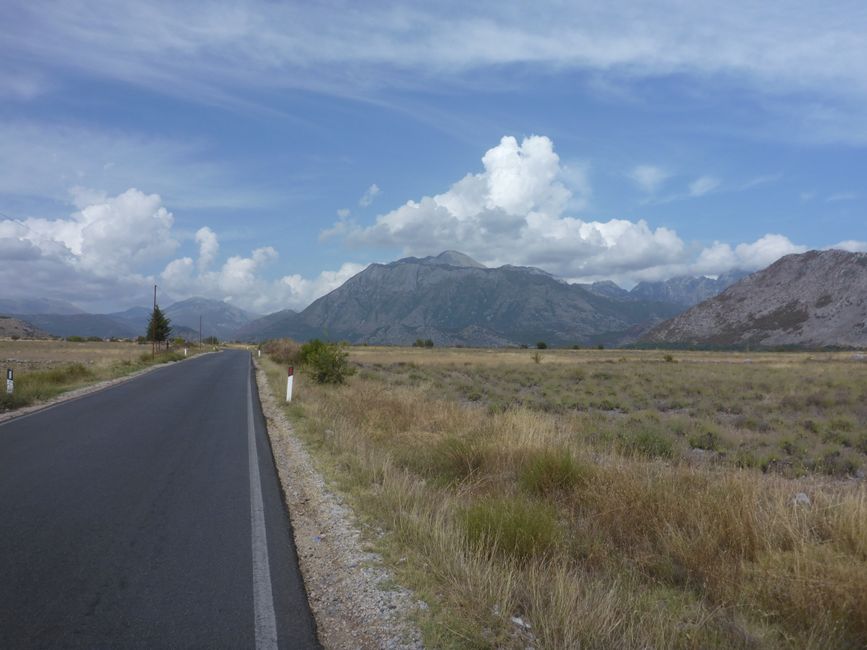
<point x="149" y="515"/>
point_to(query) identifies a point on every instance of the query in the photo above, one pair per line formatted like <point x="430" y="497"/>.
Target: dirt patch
<point x="354" y="599"/>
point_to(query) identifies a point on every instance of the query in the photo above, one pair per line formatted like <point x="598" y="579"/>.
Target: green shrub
<point x="450" y="459"/>
<point x="516" y="527"/>
<point x="647" y="443"/>
<point x="551" y="471"/>
<point x="541" y="345"/>
<point x="836" y="464"/>
<point x="75" y="339"/>
<point x="282" y="351"/>
<point x="328" y="363"/>
<point x="709" y="440"/>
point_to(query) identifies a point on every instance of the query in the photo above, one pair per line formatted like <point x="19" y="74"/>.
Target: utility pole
<point x="154" y="332"/>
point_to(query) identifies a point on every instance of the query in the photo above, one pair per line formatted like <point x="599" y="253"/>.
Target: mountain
<point x="271" y="326"/>
<point x="81" y="325"/>
<point x="136" y="317"/>
<point x="454" y="300"/>
<point x="219" y="319"/>
<point x="608" y="289"/>
<point x="813" y="299"/>
<point x="685" y="291"/>
<point x="13" y="327"/>
<point x="37" y="306"/>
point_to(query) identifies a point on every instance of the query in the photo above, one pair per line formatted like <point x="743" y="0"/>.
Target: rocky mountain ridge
<point x="814" y="299"/>
<point x="454" y="300"/>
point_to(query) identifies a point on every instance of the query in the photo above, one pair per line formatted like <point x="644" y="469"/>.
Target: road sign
<point x="10" y="384"/>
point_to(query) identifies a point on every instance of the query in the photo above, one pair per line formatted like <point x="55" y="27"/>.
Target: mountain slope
<point x="37" y="306"/>
<point x="433" y="298"/>
<point x="813" y="299"/>
<point x="219" y="319"/>
<point x="81" y="325"/>
<point x="685" y="291"/>
<point x="14" y="327"/>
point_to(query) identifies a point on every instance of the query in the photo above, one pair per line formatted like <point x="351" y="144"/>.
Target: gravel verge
<point x="354" y="598"/>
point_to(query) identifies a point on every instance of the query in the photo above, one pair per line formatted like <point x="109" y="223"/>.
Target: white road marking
<point x="263" y="599"/>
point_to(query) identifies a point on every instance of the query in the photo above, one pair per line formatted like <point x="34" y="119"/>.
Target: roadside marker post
<point x="10" y="384"/>
<point x="289" y="379"/>
<point x="185" y="351"/>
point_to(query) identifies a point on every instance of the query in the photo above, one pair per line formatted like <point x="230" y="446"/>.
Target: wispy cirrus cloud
<point x="369" y="195"/>
<point x="219" y="52"/>
<point x="649" y="177"/>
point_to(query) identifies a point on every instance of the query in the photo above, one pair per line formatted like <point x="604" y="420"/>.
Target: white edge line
<point x="263" y="600"/>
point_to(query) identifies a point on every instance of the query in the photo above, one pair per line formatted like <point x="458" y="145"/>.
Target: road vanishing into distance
<point x="149" y="515"/>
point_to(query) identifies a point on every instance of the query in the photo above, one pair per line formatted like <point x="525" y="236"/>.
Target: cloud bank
<point x="104" y="256"/>
<point x="515" y="211"/>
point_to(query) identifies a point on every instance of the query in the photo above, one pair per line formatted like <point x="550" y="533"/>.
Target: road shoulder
<point x="353" y="597"/>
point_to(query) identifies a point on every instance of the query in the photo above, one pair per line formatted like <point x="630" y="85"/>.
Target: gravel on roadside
<point x="354" y="598"/>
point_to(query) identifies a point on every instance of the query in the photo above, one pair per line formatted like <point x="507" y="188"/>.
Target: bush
<point x="551" y="471"/>
<point x="449" y="460"/>
<point x="328" y="363"/>
<point x="708" y="440"/>
<point x="541" y="345"/>
<point x="282" y="351"/>
<point x="75" y="339"/>
<point x="423" y="343"/>
<point x="516" y="527"/>
<point x="647" y="443"/>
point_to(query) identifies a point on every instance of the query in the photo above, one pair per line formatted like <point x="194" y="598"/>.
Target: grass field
<point x="44" y="369"/>
<point x="608" y="498"/>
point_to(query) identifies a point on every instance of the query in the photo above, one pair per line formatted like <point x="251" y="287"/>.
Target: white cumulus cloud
<point x="515" y="211"/>
<point x="102" y="257"/>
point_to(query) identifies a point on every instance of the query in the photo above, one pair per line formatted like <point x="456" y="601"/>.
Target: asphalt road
<point x="149" y="515"/>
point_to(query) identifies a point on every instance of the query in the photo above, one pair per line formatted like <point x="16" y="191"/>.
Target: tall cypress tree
<point x="159" y="327"/>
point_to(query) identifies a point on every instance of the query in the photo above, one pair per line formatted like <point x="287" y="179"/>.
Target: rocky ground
<point x="354" y="598"/>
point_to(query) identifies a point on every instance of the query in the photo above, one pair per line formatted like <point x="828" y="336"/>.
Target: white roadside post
<point x="10" y="385"/>
<point x="289" y="379"/>
<point x="260" y="353"/>
<point x="185" y="351"/>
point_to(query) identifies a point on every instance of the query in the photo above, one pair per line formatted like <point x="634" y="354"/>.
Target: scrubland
<point x="44" y="369"/>
<point x="607" y="499"/>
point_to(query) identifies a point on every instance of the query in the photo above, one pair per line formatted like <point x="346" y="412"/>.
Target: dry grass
<point x="595" y="540"/>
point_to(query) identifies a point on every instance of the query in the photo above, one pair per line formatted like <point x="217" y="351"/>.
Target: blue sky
<point x="262" y="152"/>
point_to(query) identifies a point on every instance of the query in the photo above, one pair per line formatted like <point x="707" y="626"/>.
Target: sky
<point x="262" y="153"/>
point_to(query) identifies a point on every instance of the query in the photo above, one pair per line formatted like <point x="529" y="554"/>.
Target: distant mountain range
<point x="814" y="299"/>
<point x="57" y="318"/>
<point x="12" y="327"/>
<point x="454" y="300"/>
